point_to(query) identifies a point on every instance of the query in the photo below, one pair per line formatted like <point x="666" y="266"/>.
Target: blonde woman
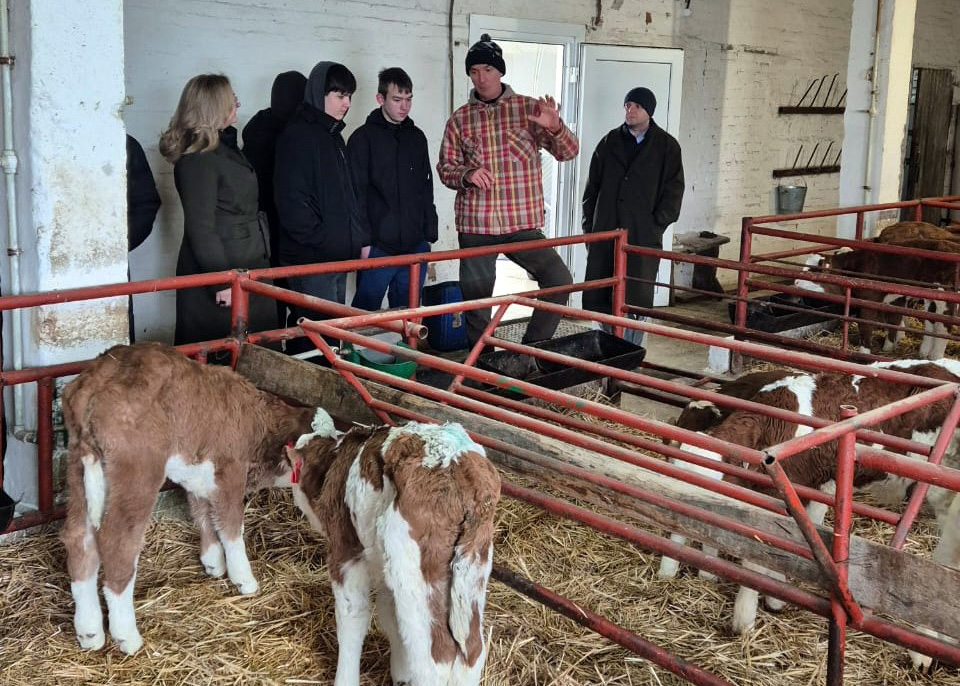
<point x="218" y="191"/>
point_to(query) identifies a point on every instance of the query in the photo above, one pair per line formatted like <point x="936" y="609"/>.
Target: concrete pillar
<point x="878" y="91"/>
<point x="69" y="91"/>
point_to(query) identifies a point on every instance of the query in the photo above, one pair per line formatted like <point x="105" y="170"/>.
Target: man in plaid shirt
<point x="490" y="156"/>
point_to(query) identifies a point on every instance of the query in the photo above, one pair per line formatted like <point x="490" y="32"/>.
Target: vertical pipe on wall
<point x="872" y="112"/>
<point x="9" y="163"/>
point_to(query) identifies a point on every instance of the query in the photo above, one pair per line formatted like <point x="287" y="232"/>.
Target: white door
<point x="607" y="73"/>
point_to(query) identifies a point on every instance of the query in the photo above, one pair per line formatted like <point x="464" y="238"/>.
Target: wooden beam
<point x="901" y="586"/>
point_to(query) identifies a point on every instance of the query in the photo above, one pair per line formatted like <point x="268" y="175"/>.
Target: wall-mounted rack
<point x="791" y="109"/>
<point x="813" y="107"/>
<point x="805" y="171"/>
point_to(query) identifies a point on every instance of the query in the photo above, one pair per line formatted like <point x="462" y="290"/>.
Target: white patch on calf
<point x="353" y="609"/>
<point x="443" y="443"/>
<point x="301" y="501"/>
<point x="198" y="479"/>
<point x="95" y="489"/>
<point x="123" y="623"/>
<point x="802" y="386"/>
<point x="88" y="618"/>
<point x="322" y="426"/>
<point x="411" y="593"/>
<point x="468" y="585"/>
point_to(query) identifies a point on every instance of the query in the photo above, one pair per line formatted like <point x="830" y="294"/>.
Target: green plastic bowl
<point x="382" y="362"/>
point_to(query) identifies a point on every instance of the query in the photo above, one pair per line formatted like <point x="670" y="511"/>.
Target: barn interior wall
<point x="743" y="59"/>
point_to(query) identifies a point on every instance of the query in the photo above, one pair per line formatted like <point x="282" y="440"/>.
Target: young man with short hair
<point x="392" y="175"/>
<point x="490" y="156"/>
<point x="319" y="217"/>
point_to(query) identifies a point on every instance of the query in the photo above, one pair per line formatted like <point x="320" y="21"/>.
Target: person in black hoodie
<point x="635" y="183"/>
<point x="260" y="142"/>
<point x="316" y="204"/>
<point x="393" y="178"/>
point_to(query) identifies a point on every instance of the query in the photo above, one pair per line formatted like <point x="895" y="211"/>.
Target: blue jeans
<point x="394" y="282"/>
<point x="331" y="286"/>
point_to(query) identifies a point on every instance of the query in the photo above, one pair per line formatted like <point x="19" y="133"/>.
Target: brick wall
<point x="743" y="58"/>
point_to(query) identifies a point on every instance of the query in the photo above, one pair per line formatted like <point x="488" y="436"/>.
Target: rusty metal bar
<point x="875" y="416"/>
<point x="920" y="489"/>
<point x="846" y="459"/>
<point x="812" y="535"/>
<point x="45" y="444"/>
<point x="604" y="627"/>
<point x="620" y="287"/>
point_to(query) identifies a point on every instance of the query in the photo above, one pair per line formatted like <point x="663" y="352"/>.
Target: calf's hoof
<point x="129" y="644"/>
<point x="246" y="586"/>
<point x="92" y="641"/>
<point x="922" y="663"/>
<point x="213" y="561"/>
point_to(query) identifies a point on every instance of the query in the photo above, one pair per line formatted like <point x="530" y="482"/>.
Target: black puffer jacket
<point x="393" y="178"/>
<point x="316" y="204"/>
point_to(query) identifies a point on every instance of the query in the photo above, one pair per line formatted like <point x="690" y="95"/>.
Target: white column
<point x="74" y="188"/>
<point x="68" y="91"/>
<point x="878" y="90"/>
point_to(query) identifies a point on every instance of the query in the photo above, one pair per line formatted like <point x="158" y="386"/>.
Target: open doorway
<point x="538" y="56"/>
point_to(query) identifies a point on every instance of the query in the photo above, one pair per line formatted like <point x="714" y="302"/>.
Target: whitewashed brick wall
<point x="743" y="58"/>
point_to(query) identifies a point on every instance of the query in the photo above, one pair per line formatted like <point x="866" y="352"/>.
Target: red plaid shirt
<point x="500" y="137"/>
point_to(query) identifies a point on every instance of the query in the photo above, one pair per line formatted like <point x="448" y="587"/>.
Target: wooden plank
<point x="901" y="586"/>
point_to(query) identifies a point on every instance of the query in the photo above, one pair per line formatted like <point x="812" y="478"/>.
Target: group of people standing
<point x="299" y="194"/>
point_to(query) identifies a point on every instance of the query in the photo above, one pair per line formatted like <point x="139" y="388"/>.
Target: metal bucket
<point x="790" y="199"/>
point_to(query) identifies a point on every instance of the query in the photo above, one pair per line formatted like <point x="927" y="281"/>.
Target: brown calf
<point x="138" y="415"/>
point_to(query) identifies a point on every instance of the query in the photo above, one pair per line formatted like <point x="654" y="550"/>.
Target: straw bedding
<point x="199" y="631"/>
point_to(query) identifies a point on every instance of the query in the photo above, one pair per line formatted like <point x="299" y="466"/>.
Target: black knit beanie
<point x="485" y="51"/>
<point x="643" y="97"/>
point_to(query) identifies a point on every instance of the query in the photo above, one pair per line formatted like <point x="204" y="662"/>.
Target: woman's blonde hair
<point x="203" y="111"/>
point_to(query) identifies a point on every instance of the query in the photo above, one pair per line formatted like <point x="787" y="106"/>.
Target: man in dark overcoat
<point x="635" y="183"/>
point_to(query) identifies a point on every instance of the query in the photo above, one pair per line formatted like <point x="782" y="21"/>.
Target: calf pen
<point x="606" y="465"/>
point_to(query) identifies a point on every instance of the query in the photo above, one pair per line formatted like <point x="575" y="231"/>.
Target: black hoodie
<point x="260" y="141"/>
<point x="393" y="179"/>
<point x="317" y="208"/>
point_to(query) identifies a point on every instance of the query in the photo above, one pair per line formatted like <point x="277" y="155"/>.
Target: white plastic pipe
<point x="872" y="112"/>
<point x="9" y="163"/>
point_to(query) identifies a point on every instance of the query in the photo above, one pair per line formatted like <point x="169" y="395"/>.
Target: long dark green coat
<point x="638" y="188"/>
<point x="218" y="190"/>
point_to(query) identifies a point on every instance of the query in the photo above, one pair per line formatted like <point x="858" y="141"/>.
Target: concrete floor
<point x="661" y="350"/>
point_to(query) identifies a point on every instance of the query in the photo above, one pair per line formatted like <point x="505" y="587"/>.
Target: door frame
<point x="589" y="53"/>
<point x="571" y="37"/>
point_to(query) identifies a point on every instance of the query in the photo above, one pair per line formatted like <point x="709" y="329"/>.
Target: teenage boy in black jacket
<point x="393" y="178"/>
<point x="316" y="204"/>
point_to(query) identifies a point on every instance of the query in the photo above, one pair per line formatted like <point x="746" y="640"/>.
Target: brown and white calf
<point x="881" y="266"/>
<point x="821" y="395"/>
<point x="144" y="413"/>
<point x="700" y="415"/>
<point x="408" y="513"/>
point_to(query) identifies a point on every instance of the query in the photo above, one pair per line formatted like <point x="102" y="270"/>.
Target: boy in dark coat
<point x="393" y="179"/>
<point x="635" y="183"/>
<point x="316" y="204"/>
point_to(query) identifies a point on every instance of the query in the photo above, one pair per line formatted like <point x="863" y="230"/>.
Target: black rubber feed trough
<point x="592" y="346"/>
<point x="769" y="315"/>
